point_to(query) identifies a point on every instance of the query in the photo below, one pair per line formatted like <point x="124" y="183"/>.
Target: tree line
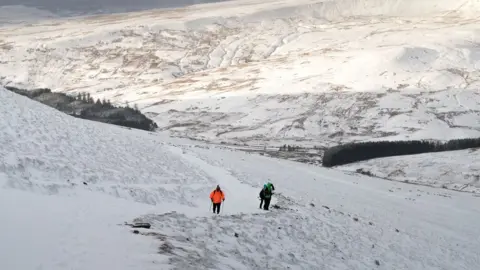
<point x="82" y="105"/>
<point x="87" y="98"/>
<point x="288" y="148"/>
<point x="354" y="152"/>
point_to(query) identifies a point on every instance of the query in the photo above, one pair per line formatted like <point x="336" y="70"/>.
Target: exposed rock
<point x="141" y="225"/>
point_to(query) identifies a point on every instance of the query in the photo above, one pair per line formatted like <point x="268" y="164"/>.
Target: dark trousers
<point x="261" y="202"/>
<point x="267" y="203"/>
<point x="217" y="207"/>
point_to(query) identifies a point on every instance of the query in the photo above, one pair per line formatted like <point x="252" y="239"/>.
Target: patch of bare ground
<point x="181" y="82"/>
<point x="6" y="46"/>
<point x="298" y="156"/>
<point x="231" y="85"/>
<point x="178" y="125"/>
<point x="392" y="112"/>
<point x="338" y="88"/>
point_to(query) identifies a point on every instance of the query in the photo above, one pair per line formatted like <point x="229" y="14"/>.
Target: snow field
<point x="322" y="237"/>
<point x="70" y="232"/>
<point x="456" y="170"/>
<point x="67" y="186"/>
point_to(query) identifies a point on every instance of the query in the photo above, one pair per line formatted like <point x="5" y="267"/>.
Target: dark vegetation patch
<point x="353" y="152"/>
<point x="85" y="107"/>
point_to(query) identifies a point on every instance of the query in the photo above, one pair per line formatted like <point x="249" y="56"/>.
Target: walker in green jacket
<point x="268" y="190"/>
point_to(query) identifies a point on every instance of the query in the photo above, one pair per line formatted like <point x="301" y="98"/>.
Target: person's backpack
<point x="270" y="186"/>
<point x="268" y="192"/>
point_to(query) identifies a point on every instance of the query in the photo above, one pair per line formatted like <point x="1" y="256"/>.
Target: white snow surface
<point x="455" y="170"/>
<point x="300" y="72"/>
<point x="52" y="220"/>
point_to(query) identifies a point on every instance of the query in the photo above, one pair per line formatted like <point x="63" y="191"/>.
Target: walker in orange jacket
<point x="217" y="196"/>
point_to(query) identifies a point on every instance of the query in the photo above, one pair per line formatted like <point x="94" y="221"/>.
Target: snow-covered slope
<point x="67" y="185"/>
<point x="302" y="72"/>
<point x="457" y="170"/>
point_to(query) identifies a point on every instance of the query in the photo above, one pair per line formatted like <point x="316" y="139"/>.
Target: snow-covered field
<point x="68" y="185"/>
<point x="457" y="170"/>
<point x="301" y="72"/>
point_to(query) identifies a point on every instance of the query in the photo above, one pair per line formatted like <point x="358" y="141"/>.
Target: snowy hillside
<point x="300" y="72"/>
<point x="67" y="186"/>
<point x="457" y="170"/>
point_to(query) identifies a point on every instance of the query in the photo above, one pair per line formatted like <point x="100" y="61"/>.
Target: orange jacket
<point x="217" y="196"/>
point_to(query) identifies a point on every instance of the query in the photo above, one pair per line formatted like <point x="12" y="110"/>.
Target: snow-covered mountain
<point x="68" y="185"/>
<point x="300" y="72"/>
<point x="249" y="72"/>
<point x="30" y="11"/>
<point x="14" y="14"/>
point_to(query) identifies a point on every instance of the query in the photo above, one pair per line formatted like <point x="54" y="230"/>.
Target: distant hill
<point x="33" y="10"/>
<point x="85" y="107"/>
